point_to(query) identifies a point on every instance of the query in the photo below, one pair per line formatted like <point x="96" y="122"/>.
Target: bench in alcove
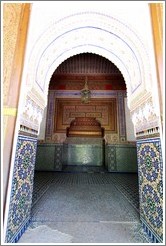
<point x="84" y="145"/>
<point x="85" y="127"/>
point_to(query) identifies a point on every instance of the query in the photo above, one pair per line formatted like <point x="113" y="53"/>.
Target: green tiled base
<point x="121" y="158"/>
<point x="113" y="157"/>
<point x="83" y="151"/>
<point x="49" y="157"/>
<point x="83" y="155"/>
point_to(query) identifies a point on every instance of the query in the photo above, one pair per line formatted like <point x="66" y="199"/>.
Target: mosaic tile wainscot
<point x="150" y="169"/>
<point x="22" y="188"/>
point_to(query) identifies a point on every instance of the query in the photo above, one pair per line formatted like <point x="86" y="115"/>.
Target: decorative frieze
<point x="58" y="137"/>
<point x="111" y="138"/>
<point x="145" y="119"/>
<point x="31" y="116"/>
<point x="153" y="132"/>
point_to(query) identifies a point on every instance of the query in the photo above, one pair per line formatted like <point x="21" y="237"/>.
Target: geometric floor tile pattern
<point x="85" y="208"/>
<point x="126" y="183"/>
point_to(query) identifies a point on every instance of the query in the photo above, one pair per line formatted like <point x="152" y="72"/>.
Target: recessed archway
<point x="74" y="174"/>
<point x="99" y="34"/>
<point x="94" y="33"/>
<point x="108" y="37"/>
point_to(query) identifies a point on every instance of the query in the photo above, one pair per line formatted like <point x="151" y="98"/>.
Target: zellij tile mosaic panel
<point x="151" y="184"/>
<point x="22" y="186"/>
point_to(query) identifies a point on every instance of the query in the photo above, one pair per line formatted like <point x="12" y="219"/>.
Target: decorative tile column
<point x="150" y="169"/>
<point x="22" y="188"/>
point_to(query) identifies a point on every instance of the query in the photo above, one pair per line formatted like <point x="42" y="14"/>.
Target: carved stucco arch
<point x="93" y="33"/>
<point x="90" y="32"/>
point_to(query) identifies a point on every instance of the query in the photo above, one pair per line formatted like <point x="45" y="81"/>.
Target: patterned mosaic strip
<point x="22" y="185"/>
<point x="50" y="111"/>
<point x="121" y="115"/>
<point x="152" y="235"/>
<point x="58" y="158"/>
<point x="111" y="158"/>
<point x="21" y="231"/>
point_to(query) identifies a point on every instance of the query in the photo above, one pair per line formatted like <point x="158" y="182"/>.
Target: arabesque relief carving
<point x="11" y="18"/>
<point x="145" y="117"/>
<point x="31" y="116"/>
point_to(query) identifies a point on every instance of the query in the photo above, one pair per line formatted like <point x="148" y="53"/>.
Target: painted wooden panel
<point x="104" y="111"/>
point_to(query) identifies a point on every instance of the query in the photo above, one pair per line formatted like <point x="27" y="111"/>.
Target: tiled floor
<point x="89" y="207"/>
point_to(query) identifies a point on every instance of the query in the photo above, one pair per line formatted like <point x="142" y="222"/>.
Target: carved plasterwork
<point x="145" y="117"/>
<point x="31" y="116"/>
<point x="58" y="138"/>
<point x="111" y="138"/>
<point x="11" y="18"/>
<point x="94" y="33"/>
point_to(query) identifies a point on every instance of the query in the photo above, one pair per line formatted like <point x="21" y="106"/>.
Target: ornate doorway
<point x="81" y="33"/>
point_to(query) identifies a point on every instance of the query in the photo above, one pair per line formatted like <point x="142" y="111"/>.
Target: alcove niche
<point x="114" y="149"/>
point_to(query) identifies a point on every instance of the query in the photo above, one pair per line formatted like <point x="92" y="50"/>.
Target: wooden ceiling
<point x="87" y="63"/>
<point x="101" y="73"/>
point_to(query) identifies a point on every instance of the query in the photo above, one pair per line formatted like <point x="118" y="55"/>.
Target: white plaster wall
<point x="134" y="14"/>
<point x="41" y="135"/>
<point x="129" y="124"/>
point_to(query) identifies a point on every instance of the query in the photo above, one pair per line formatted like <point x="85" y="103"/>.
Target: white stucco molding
<point x="95" y="33"/>
<point x="90" y="32"/>
<point x="145" y="118"/>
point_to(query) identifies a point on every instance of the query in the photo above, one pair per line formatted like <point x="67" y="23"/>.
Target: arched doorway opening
<point x="86" y="36"/>
<point x="107" y="104"/>
<point x="64" y="92"/>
